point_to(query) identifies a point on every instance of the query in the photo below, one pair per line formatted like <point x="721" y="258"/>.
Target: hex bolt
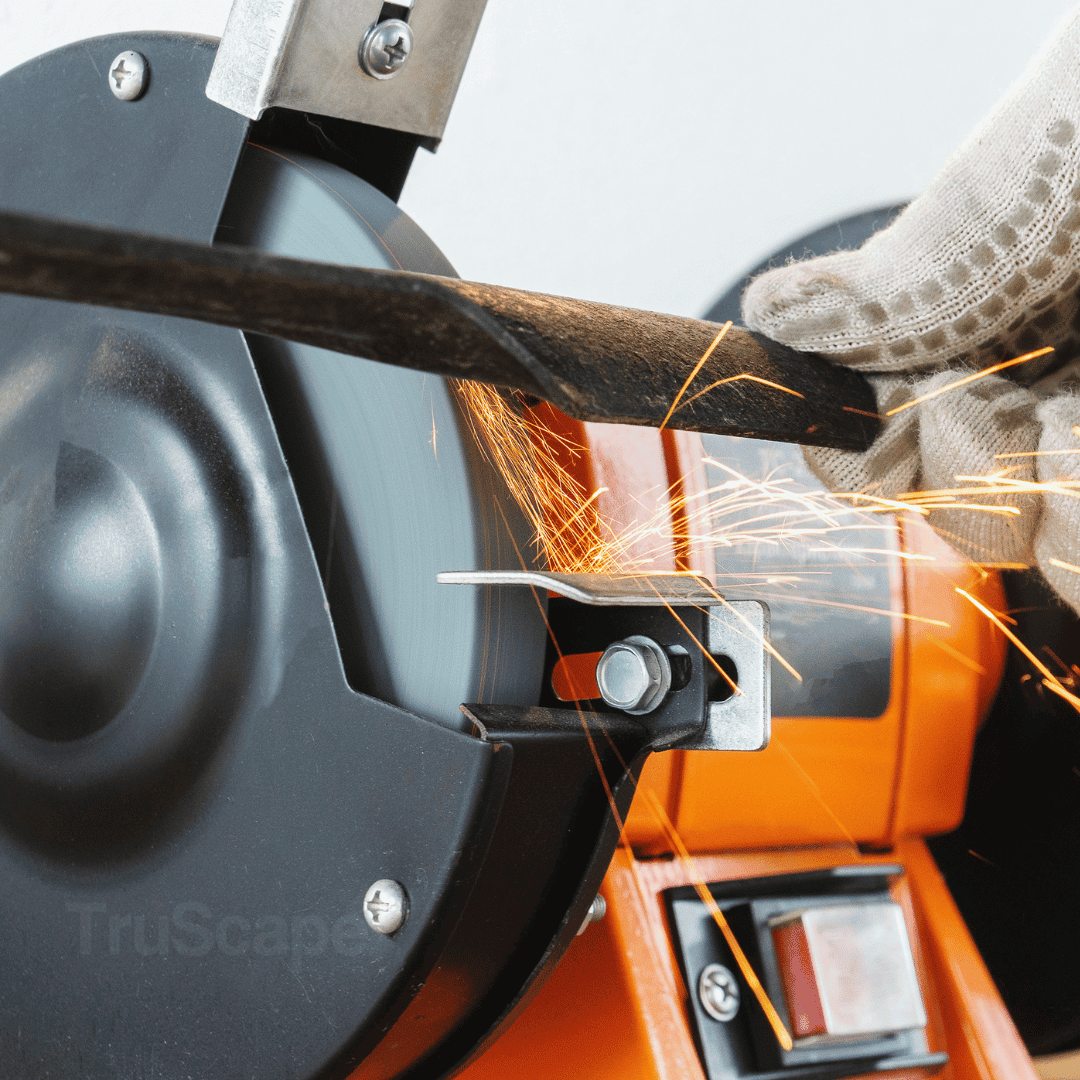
<point x="127" y="76"/>
<point x="385" y="906"/>
<point x="634" y="675"/>
<point x="597" y="910"/>
<point x="718" y="992"/>
<point x="386" y="48"/>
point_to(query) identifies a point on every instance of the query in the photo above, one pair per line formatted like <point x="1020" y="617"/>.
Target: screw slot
<point x="386" y="48"/>
<point x="385" y="906"/>
<point x="718" y="992"/>
<point x="127" y="76"/>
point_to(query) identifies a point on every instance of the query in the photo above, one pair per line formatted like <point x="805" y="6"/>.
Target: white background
<point x="646" y="152"/>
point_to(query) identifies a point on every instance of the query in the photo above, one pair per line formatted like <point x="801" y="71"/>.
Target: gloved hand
<point x="982" y="268"/>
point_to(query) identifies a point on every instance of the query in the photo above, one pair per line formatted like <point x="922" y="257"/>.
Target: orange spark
<point x="697" y="367"/>
<point x="875" y="551"/>
<point x="1036" y="453"/>
<point x="957" y="655"/>
<point x="815" y="790"/>
<point x="970" y="379"/>
<point x="737" y="378"/>
<point x="1048" y="676"/>
<point x="1060" y="690"/>
<point x="868" y="610"/>
<point x="705" y="652"/>
<point x="884" y="505"/>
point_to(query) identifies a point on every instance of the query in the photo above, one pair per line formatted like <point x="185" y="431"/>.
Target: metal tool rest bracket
<point x="684" y="616"/>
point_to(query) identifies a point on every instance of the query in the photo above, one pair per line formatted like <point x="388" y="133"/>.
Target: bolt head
<point x="127" y="75"/>
<point x="718" y="992"/>
<point x="633" y="675"/>
<point x="385" y="906"/>
<point x="386" y="48"/>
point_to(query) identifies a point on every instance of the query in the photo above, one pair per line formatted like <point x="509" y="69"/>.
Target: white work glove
<point x="980" y="269"/>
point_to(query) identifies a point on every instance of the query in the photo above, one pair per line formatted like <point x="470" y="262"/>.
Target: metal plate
<point x="302" y="54"/>
<point x="606" y="590"/>
<point x="830" y="596"/>
<point x="739" y="630"/>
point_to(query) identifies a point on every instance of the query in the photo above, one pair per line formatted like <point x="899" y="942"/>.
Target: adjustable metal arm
<point x="314" y="56"/>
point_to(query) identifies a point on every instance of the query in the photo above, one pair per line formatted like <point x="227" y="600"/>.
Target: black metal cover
<point x="194" y="801"/>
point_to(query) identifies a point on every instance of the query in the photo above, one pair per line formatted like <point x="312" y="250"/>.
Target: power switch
<point x="847" y="972"/>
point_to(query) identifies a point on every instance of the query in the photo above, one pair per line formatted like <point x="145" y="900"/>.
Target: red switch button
<point x="847" y="971"/>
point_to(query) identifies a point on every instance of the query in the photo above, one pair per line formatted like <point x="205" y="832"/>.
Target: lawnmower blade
<point x="592" y="361"/>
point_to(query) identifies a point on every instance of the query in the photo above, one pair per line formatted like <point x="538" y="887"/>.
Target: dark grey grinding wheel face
<point x="405" y="492"/>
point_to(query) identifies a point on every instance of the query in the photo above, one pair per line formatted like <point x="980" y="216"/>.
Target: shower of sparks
<point x="994" y="368"/>
<point x="571" y="534"/>
<point x="568" y="530"/>
<point x="910" y="555"/>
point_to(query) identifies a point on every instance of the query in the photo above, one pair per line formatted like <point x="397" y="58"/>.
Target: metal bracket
<point x="304" y="55"/>
<point x="739" y="630"/>
<point x="735" y="629"/>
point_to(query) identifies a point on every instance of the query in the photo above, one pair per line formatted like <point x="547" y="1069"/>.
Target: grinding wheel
<point x="393" y="487"/>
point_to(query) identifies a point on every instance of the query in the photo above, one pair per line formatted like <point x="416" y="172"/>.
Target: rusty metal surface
<point x="593" y="361"/>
